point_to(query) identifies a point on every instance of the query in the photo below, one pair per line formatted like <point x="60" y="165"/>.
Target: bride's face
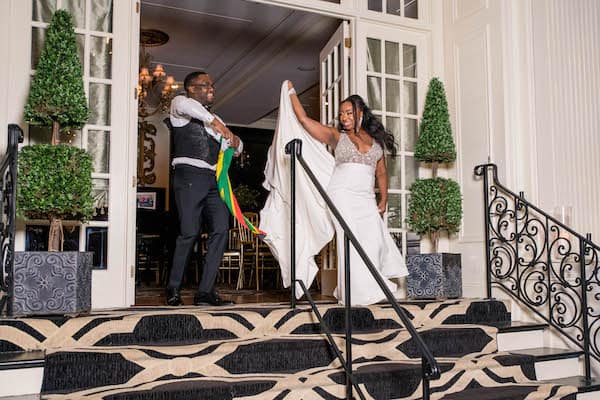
<point x="347" y="117"/>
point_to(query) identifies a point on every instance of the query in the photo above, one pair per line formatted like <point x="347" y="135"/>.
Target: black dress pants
<point x="197" y="197"/>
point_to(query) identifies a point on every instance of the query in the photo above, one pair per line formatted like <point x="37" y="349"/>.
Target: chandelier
<point x="155" y="89"/>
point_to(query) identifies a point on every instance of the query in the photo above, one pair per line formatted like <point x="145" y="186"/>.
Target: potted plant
<point x="54" y="181"/>
<point x="435" y="204"/>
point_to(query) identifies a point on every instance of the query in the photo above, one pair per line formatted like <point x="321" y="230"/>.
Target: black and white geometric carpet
<point x="272" y="352"/>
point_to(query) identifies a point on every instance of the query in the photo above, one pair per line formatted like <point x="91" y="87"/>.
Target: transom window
<point x="403" y="8"/>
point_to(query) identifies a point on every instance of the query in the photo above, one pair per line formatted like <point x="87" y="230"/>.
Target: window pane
<point x="393" y="165"/>
<point x="96" y="241"/>
<point x="101" y="18"/>
<point x="410" y="134"/>
<point x="397" y="236"/>
<point x="409" y="54"/>
<point x="392" y="124"/>
<point x="43" y="10"/>
<point x="374" y="92"/>
<point x="77" y="9"/>
<point x="392" y="58"/>
<point x="36" y="237"/>
<point x="413" y="243"/>
<point x="394" y="210"/>
<point x="393" y="7"/>
<point x="40" y="134"/>
<point x="43" y="134"/>
<point x="410" y="97"/>
<point x="392" y="95"/>
<point x="80" y="49"/>
<point x="99" y="99"/>
<point x="411" y="166"/>
<point x="373" y="55"/>
<point x="99" y="148"/>
<point x="375" y="5"/>
<point x="411" y="9"/>
<point x="100" y="57"/>
<point x="38" y="36"/>
<point x="72" y="137"/>
<point x="100" y="194"/>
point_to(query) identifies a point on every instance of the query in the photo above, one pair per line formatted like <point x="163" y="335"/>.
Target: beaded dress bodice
<point x="347" y="152"/>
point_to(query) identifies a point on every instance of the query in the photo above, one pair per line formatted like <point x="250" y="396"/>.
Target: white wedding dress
<point x="349" y="181"/>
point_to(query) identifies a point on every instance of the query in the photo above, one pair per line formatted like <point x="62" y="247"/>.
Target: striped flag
<point x="226" y="192"/>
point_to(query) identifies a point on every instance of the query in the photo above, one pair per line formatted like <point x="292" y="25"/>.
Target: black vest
<point x="192" y="140"/>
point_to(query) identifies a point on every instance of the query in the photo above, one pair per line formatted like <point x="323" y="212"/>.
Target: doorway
<point x="248" y="49"/>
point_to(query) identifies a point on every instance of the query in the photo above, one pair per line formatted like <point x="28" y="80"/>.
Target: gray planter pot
<point x="51" y="282"/>
<point x="433" y="276"/>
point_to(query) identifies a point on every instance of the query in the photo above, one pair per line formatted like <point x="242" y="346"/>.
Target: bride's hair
<point x="370" y="123"/>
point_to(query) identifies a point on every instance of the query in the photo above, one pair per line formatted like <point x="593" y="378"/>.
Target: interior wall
<point x="566" y="55"/>
<point x="162" y="150"/>
<point x="474" y="85"/>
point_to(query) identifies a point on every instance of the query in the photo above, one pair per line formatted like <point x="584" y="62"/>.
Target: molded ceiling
<point x="247" y="48"/>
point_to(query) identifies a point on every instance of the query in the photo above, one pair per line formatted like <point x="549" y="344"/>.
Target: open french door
<point x="335" y="86"/>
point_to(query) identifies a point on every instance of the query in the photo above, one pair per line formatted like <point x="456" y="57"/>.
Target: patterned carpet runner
<point x="272" y="352"/>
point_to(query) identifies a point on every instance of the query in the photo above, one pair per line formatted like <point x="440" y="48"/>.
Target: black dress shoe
<point x="174" y="297"/>
<point x="210" y="299"/>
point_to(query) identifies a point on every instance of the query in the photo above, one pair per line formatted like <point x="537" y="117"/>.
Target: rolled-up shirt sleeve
<point x="182" y="107"/>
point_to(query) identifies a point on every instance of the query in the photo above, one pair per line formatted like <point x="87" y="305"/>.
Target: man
<point x="196" y="136"/>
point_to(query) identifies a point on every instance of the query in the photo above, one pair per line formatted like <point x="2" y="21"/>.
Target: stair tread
<point x="519" y="326"/>
<point x="549" y="353"/>
<point x="21" y="359"/>
<point x="579" y="382"/>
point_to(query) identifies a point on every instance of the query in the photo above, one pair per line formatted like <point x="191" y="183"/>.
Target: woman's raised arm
<point x="323" y="133"/>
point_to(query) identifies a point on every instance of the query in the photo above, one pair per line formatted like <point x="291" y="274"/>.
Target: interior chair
<point x="233" y="258"/>
<point x="262" y="258"/>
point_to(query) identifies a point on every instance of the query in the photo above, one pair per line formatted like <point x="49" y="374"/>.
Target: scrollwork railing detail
<point x="8" y="180"/>
<point x="542" y="263"/>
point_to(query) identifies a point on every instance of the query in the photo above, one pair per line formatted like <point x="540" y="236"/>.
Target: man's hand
<point x="235" y="142"/>
<point x="222" y="129"/>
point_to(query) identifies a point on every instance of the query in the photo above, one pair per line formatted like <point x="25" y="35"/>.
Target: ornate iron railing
<point x="8" y="193"/>
<point x="429" y="366"/>
<point x="543" y="264"/>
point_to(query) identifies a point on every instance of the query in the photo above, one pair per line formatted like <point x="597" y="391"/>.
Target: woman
<point x="358" y="142"/>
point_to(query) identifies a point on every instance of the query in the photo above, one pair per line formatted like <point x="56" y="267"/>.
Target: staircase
<point x="269" y="351"/>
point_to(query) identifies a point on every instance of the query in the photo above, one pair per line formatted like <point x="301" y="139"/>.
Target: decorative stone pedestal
<point x="434" y="276"/>
<point x="51" y="282"/>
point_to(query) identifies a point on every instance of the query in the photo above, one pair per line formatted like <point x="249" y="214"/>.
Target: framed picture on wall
<point x="151" y="198"/>
<point x="146" y="200"/>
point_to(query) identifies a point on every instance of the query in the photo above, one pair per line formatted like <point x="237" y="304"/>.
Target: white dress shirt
<point x="183" y="109"/>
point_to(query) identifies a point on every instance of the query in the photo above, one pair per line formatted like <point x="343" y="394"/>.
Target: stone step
<point x="21" y="373"/>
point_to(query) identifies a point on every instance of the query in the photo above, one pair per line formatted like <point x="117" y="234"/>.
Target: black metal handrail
<point x="430" y="368"/>
<point x="8" y="202"/>
<point x="542" y="263"/>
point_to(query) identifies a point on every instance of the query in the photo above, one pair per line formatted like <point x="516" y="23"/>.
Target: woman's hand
<point x="382" y="206"/>
<point x="290" y="85"/>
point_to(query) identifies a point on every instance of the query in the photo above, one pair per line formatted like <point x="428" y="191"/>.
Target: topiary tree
<point x="57" y="97"/>
<point x="54" y="181"/>
<point x="435" y="204"/>
<point x="62" y="191"/>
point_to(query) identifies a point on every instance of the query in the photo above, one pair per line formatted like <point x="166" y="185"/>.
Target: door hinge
<point x="132" y="271"/>
<point x="135" y="93"/>
<point x="348" y="42"/>
<point x="137" y="7"/>
<point x="134" y="181"/>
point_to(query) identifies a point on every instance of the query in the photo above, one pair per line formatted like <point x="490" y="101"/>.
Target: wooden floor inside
<point x="155" y="296"/>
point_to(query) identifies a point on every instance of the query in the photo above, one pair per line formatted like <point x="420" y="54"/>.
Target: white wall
<point x="566" y="65"/>
<point x="161" y="161"/>
<point x="473" y="80"/>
